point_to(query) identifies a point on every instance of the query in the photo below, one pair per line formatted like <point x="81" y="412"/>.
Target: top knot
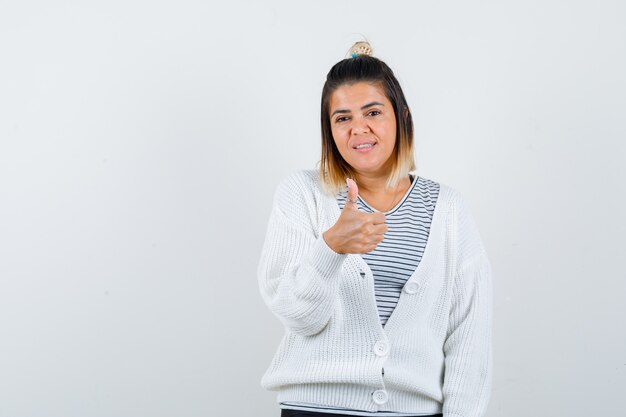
<point x="359" y="48"/>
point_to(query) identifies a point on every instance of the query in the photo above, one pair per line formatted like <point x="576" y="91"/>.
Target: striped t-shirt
<point x="394" y="260"/>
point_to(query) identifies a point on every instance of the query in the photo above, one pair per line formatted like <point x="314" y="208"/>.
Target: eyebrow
<point x="373" y="103"/>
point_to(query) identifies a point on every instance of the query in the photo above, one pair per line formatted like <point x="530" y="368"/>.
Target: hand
<point x="355" y="231"/>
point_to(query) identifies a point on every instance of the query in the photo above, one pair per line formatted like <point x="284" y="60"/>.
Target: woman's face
<point x="363" y="125"/>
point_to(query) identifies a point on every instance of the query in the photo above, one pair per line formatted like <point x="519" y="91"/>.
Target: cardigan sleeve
<point x="298" y="273"/>
<point x="468" y="346"/>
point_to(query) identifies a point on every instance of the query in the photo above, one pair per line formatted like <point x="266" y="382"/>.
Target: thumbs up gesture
<point x="355" y="231"/>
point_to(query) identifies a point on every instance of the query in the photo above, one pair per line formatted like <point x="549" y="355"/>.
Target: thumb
<point x="353" y="191"/>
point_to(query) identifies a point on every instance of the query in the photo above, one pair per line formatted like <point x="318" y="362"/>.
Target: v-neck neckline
<point x="419" y="275"/>
<point x="397" y="206"/>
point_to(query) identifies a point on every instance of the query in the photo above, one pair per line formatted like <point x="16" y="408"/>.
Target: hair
<point x="333" y="168"/>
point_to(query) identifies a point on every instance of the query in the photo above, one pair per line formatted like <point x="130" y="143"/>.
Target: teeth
<point x="365" y="145"/>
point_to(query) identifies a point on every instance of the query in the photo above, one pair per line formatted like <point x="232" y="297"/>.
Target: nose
<point x="359" y="127"/>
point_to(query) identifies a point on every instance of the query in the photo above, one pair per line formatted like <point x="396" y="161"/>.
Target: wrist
<point x="328" y="238"/>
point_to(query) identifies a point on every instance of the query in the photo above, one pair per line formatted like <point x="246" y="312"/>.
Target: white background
<point x="141" y="143"/>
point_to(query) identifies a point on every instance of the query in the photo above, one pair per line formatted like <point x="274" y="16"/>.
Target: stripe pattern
<point x="395" y="259"/>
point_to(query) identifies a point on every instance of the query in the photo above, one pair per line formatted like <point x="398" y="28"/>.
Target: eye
<point x="341" y="119"/>
<point x="374" y="113"/>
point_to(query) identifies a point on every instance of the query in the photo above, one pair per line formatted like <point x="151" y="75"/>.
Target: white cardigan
<point x="436" y="346"/>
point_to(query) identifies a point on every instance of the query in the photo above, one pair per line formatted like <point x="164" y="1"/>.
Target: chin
<point x="367" y="168"/>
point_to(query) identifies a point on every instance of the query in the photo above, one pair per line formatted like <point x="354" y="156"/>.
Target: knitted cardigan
<point x="435" y="349"/>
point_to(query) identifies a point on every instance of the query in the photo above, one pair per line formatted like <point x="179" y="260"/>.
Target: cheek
<point x="390" y="132"/>
<point x="339" y="137"/>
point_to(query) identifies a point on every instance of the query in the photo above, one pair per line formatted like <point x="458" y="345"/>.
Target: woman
<point x="378" y="275"/>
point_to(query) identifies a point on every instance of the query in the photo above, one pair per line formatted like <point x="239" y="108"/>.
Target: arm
<point x="298" y="272"/>
<point x="467" y="348"/>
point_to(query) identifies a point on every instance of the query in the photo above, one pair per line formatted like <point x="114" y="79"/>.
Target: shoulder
<point x="445" y="195"/>
<point x="303" y="178"/>
<point x="456" y="207"/>
<point x="298" y="183"/>
<point x="297" y="194"/>
<point x="466" y="230"/>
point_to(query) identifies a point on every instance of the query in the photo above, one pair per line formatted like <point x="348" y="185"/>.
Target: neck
<point x="372" y="189"/>
<point x="375" y="184"/>
<point x="372" y="183"/>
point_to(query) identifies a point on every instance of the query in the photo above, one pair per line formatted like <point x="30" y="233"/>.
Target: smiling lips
<point x="364" y="147"/>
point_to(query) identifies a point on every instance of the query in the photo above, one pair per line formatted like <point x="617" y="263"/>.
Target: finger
<point x="377" y="217"/>
<point x="379" y="229"/>
<point x="372" y="246"/>
<point x="353" y="191"/>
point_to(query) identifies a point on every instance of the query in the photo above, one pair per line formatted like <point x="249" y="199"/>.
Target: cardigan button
<point x="380" y="396"/>
<point x="411" y="287"/>
<point x="381" y="348"/>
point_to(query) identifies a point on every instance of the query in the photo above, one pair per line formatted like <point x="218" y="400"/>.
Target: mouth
<point x="364" y="146"/>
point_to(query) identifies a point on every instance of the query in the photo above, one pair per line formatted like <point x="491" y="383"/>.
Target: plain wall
<point x="141" y="143"/>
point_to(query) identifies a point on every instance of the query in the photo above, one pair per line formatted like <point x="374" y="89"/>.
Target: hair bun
<point x="359" y="48"/>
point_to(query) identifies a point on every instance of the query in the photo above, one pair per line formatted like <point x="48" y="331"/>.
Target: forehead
<point x="355" y="95"/>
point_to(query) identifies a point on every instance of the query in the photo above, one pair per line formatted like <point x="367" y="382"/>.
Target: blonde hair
<point x="362" y="67"/>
